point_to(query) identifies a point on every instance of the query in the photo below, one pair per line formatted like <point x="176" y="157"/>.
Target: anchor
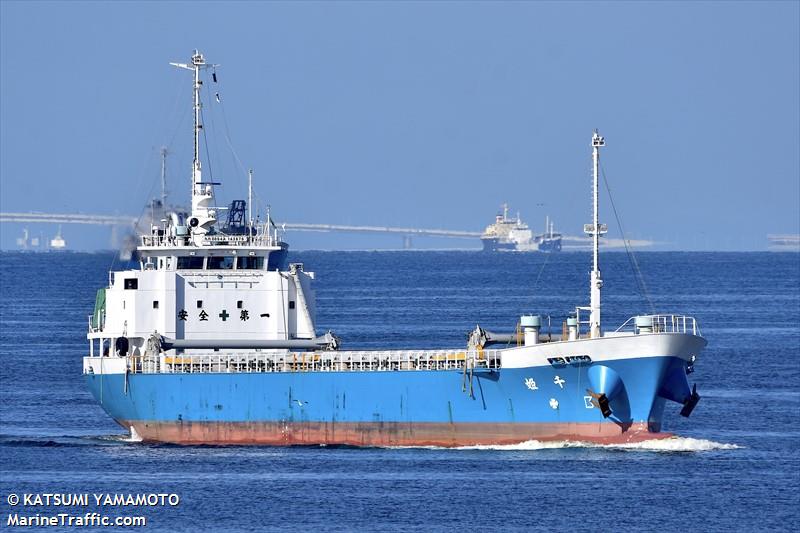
<point x="691" y="402"/>
<point x="601" y="402"/>
<point x="675" y="387"/>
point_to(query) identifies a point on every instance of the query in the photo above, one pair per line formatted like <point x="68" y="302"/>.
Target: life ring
<point x="121" y="345"/>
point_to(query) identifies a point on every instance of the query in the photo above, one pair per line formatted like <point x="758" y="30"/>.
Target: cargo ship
<point x="58" y="243"/>
<point x="509" y="234"/>
<point x="787" y="242"/>
<point x="211" y="339"/>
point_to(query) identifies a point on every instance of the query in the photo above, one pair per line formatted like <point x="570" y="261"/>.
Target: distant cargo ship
<point x="39" y="244"/>
<point x="784" y="243"/>
<point x="58" y="242"/>
<point x="513" y="235"/>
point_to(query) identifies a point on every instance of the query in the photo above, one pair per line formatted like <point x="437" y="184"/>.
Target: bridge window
<point x="155" y="304"/>
<point x="131" y="283"/>
<point x="190" y="263"/>
<point x="220" y="263"/>
<point x="250" y="263"/>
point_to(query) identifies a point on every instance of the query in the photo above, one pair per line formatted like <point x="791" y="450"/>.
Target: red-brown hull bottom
<point x="384" y="433"/>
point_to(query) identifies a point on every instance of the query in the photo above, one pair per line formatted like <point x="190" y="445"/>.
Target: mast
<point x="203" y="216"/>
<point x="164" y="177"/>
<point x="197" y="61"/>
<point x="595" y="229"/>
<point x="250" y="198"/>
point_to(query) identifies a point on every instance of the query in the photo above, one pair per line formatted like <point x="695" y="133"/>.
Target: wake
<point x="670" y="444"/>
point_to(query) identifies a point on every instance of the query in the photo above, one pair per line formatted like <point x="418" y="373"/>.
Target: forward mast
<point x="595" y="229"/>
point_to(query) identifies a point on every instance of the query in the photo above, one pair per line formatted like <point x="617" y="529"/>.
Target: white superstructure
<point x="200" y="284"/>
<point x="58" y="242"/>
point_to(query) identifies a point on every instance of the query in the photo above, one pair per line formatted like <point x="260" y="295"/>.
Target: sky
<point x="415" y="114"/>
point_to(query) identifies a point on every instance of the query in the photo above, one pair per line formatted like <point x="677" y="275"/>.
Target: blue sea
<point x="734" y="465"/>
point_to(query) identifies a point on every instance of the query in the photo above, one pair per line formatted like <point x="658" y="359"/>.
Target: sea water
<point x="733" y="465"/>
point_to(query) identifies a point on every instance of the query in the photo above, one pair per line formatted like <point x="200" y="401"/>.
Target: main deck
<point x="260" y="362"/>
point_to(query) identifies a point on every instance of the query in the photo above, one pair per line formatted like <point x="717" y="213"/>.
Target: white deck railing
<point x="99" y="327"/>
<point x="662" y="324"/>
<point x="360" y="361"/>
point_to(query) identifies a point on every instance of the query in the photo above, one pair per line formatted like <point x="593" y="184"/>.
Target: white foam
<point x="529" y="445"/>
<point x="119" y="438"/>
<point x="132" y="437"/>
<point x="135" y="437"/>
<point x="671" y="444"/>
<point x="678" y="444"/>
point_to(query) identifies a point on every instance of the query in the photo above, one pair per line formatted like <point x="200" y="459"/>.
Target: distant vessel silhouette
<point x="788" y="242"/>
<point x="58" y="242"/>
<point x="508" y="234"/>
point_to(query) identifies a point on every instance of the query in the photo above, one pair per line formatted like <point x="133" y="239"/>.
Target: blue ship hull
<point x="386" y="408"/>
<point x="494" y="245"/>
<point x="550" y="244"/>
<point x="544" y="245"/>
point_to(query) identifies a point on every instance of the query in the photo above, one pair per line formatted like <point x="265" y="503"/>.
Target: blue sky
<point x="414" y="114"/>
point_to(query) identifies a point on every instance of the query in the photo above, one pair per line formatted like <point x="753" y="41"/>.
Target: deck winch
<point x="479" y="338"/>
